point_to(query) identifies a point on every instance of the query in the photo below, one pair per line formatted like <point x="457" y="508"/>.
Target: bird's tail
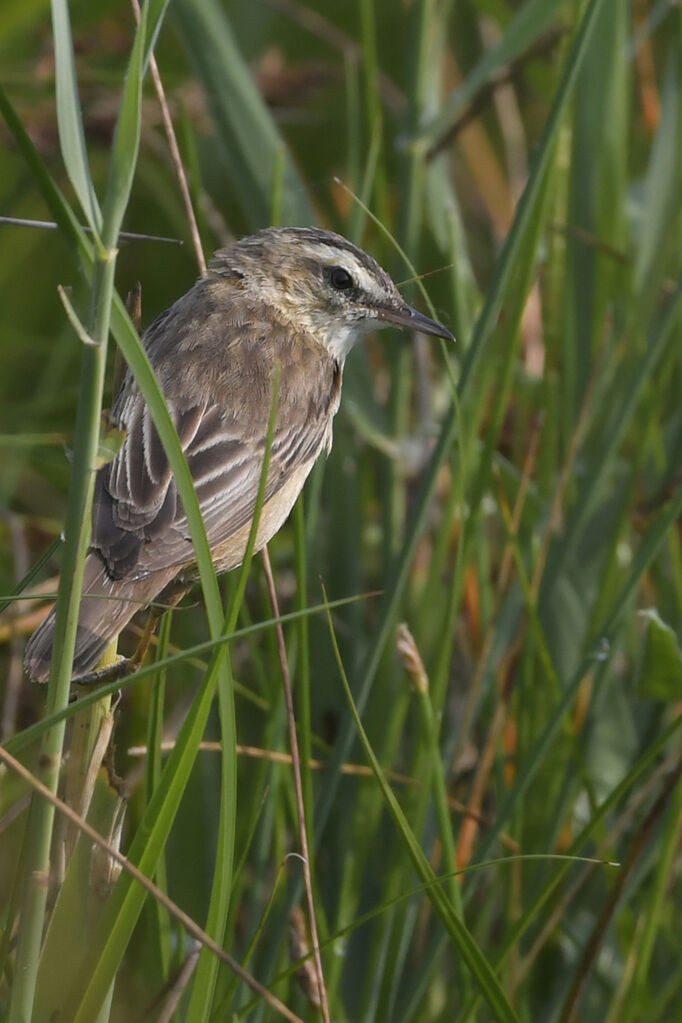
<point x="99" y="618"/>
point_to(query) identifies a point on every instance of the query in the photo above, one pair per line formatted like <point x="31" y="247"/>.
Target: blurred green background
<point x="527" y="159"/>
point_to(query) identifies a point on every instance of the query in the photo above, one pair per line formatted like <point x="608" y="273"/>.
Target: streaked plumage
<point x="280" y="296"/>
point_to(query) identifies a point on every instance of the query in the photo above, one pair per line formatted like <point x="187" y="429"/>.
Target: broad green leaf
<point x="660" y="669"/>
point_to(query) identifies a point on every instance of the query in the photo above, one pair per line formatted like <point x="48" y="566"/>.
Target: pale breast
<point x="274" y="514"/>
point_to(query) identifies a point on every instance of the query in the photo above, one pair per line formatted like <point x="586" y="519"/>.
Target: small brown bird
<point x="299" y="297"/>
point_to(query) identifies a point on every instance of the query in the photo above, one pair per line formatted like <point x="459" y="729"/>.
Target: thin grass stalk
<point x="353" y="118"/>
<point x="175" y="153"/>
<point x="125" y="903"/>
<point x="389" y="936"/>
<point x="203" y="987"/>
<point x="303" y="703"/>
<point x="639" y="844"/>
<point x="34" y="571"/>
<point x="438" y="783"/>
<point x="160" y="922"/>
<point x="33" y="732"/>
<point x="10" y="910"/>
<point x="373" y="108"/>
<point x="77" y="536"/>
<point x="221" y="1009"/>
<point x="410" y="218"/>
<point x="77" y="529"/>
<point x="505" y="267"/>
<point x="144" y="881"/>
<point x="666" y="999"/>
<point x="500" y="590"/>
<point x="380" y="965"/>
<point x="634" y="994"/>
<point x="298" y="787"/>
<point x="427" y="765"/>
<point x="459" y="935"/>
<point x="358" y="215"/>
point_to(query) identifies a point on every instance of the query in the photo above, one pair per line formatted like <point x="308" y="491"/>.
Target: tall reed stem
<point x="77" y="536"/>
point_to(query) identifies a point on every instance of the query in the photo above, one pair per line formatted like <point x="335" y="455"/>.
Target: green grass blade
<point x="69" y="117"/>
<point x="506" y="266"/>
<point x="529" y="22"/>
<point x="159" y="919"/>
<point x="250" y="143"/>
<point x="57" y="204"/>
<point x="567" y="371"/>
<point x="461" y="938"/>
<point x="612" y="433"/>
<point x="126" y="139"/>
<point x="204" y="984"/>
<point x="125" y="904"/>
<point x="660" y="203"/>
<point x="22" y="740"/>
<point x="627" y="784"/>
<point x="136" y="358"/>
<point x="649" y="548"/>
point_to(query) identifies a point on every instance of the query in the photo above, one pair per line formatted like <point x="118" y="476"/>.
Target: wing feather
<point x="139" y="525"/>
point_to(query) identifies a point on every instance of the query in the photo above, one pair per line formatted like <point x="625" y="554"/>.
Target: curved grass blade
<point x="251" y="146"/>
<point x="69" y="117"/>
<point x="77" y="529"/>
<point x="460" y="936"/>
<point x="125" y="904"/>
<point x="126" y="142"/>
<point x="31" y="733"/>
<point x="513" y="254"/>
<point x="34" y="571"/>
<point x="529" y="22"/>
<point x="662" y="336"/>
<point x="203" y="987"/>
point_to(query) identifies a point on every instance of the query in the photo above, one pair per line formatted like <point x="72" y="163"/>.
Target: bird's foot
<point x="126" y="666"/>
<point x="121" y="668"/>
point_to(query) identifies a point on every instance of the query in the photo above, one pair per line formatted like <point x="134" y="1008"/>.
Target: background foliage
<point x="527" y="159"/>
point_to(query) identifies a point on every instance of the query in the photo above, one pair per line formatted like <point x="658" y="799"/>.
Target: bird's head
<point x="322" y="283"/>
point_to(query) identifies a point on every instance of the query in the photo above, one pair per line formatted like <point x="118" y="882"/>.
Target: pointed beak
<point x="407" y="316"/>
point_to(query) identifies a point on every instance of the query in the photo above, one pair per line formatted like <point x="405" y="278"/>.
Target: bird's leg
<point x="124" y="666"/>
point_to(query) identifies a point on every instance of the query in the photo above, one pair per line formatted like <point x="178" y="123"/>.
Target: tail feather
<point x="99" y="618"/>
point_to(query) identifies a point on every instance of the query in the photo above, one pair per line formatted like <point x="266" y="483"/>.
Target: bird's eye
<point x="340" y="278"/>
